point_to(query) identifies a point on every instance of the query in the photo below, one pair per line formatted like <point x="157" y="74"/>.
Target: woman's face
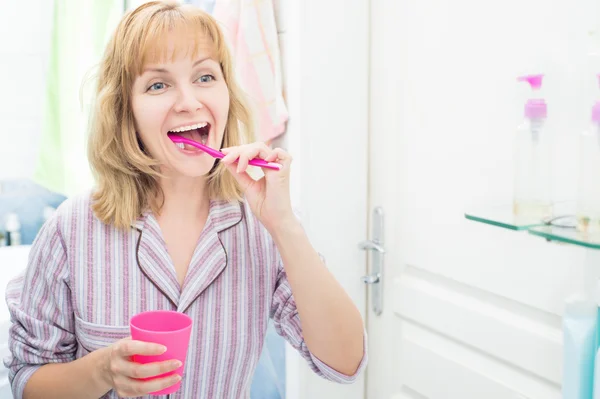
<point x="188" y="97"/>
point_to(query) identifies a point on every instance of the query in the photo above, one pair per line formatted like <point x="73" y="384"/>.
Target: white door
<point x="470" y="311"/>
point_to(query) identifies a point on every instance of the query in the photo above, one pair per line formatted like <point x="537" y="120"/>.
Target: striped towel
<point x="250" y="29"/>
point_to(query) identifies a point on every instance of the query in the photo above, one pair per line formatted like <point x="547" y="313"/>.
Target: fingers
<point x="130" y="387"/>
<point x="128" y="377"/>
<point x="280" y="156"/>
<point x="130" y="347"/>
<point x="136" y="370"/>
<point x="159" y="383"/>
<point x="243" y="155"/>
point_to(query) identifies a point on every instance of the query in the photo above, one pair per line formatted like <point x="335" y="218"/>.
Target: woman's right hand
<point x="124" y="375"/>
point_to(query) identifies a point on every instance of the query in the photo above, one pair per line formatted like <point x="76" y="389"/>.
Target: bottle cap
<point x="535" y="108"/>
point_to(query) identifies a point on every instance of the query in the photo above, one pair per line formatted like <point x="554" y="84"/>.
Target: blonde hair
<point x="126" y="176"/>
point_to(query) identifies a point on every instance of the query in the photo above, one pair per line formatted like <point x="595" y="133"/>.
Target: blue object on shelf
<point x="28" y="200"/>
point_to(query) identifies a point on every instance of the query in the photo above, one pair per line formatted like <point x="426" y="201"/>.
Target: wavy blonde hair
<point x="127" y="176"/>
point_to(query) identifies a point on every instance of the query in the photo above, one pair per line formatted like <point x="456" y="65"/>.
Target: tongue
<point x="190" y="147"/>
<point x="192" y="135"/>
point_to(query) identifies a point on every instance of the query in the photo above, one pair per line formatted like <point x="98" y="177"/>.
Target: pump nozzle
<point x="534" y="108"/>
<point x="535" y="81"/>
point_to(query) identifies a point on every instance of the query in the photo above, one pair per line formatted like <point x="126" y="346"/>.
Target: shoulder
<point x="74" y="219"/>
<point x="72" y="210"/>
<point x="49" y="251"/>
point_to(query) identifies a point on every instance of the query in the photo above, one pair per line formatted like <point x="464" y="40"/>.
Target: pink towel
<point x="250" y="29"/>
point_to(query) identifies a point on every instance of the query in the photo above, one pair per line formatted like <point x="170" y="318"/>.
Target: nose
<point x="187" y="100"/>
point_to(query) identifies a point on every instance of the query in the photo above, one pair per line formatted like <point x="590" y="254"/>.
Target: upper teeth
<point x="190" y="127"/>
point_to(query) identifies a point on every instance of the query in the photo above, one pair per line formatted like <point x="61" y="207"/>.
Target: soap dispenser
<point x="532" y="158"/>
<point x="588" y="198"/>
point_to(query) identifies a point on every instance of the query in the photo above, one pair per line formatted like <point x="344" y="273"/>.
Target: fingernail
<point x="177" y="364"/>
<point x="163" y="349"/>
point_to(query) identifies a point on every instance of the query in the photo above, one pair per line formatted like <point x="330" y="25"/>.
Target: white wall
<point x="24" y="47"/>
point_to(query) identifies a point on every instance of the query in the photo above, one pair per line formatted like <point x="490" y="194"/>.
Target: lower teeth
<point x="185" y="146"/>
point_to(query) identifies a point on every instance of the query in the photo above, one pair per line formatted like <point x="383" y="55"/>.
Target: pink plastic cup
<point x="164" y="327"/>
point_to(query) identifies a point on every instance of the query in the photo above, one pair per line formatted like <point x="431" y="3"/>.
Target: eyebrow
<point x="162" y="70"/>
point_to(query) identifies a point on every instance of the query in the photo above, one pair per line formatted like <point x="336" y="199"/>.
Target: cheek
<point x="147" y="118"/>
<point x="149" y="114"/>
<point x="222" y="104"/>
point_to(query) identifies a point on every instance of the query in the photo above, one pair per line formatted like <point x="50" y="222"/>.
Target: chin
<point x="198" y="168"/>
<point x="201" y="171"/>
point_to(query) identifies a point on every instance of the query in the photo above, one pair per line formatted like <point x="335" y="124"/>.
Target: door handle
<point x="370" y="279"/>
<point x="376" y="250"/>
<point x="370" y="245"/>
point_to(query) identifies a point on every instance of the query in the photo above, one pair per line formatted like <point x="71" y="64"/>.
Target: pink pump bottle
<point x="532" y="158"/>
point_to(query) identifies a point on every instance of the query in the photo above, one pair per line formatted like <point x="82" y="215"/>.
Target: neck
<point x="185" y="199"/>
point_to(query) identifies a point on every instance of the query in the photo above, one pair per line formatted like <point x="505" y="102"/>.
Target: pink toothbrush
<point x="218" y="154"/>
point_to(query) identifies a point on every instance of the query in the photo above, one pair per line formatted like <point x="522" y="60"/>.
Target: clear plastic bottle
<point x="532" y="159"/>
<point x="588" y="199"/>
<point x="13" y="230"/>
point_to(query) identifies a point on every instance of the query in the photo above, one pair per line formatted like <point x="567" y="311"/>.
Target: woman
<point x="170" y="228"/>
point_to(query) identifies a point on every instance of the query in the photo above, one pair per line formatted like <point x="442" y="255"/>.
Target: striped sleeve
<point x="39" y="302"/>
<point x="287" y="324"/>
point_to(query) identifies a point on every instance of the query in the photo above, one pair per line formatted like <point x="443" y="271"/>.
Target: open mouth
<point x="199" y="132"/>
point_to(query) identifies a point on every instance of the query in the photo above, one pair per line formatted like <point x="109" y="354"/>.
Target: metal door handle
<point x="375" y="247"/>
<point x="370" y="279"/>
<point x="370" y="245"/>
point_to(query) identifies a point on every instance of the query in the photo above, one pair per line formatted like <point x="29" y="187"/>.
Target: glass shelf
<point x="559" y="228"/>
<point x="502" y="216"/>
<point x="568" y="236"/>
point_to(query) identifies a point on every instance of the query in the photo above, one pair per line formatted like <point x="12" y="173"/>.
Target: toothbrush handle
<point x="264" y="164"/>
<point x="218" y="154"/>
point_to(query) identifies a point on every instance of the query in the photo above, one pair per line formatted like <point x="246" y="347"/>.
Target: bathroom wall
<point x="23" y="60"/>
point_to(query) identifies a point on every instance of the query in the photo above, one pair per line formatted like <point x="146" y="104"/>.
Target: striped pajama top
<point x="85" y="279"/>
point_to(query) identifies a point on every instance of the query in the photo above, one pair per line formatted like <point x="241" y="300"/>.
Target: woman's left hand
<point x="269" y="197"/>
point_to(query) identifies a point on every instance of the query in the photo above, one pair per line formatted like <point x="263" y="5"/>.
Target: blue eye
<point x="206" y="78"/>
<point x="157" y="86"/>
